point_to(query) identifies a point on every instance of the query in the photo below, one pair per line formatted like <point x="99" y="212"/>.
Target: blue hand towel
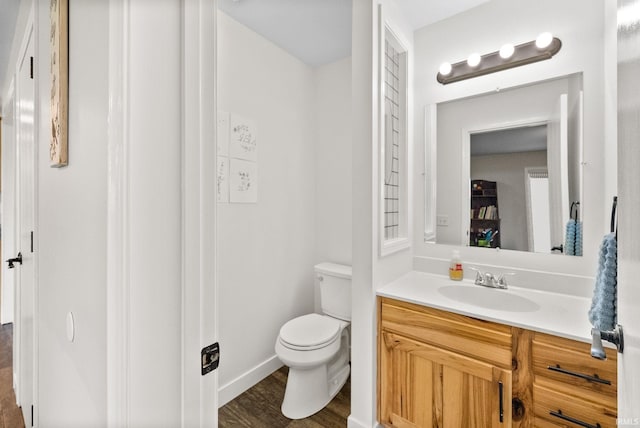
<point x="570" y="238"/>
<point x="602" y="314"/>
<point x="577" y="250"/>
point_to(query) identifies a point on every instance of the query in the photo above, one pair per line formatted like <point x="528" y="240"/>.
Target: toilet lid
<point x="310" y="331"/>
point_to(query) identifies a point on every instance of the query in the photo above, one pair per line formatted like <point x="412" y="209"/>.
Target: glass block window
<point x="394" y="89"/>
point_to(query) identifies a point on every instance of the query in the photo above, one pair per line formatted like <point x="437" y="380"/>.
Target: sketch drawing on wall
<point x="243" y="181"/>
<point x="222" y="182"/>
<point x="243" y="141"/>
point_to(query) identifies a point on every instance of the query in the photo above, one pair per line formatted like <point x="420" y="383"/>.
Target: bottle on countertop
<point x="456" y="272"/>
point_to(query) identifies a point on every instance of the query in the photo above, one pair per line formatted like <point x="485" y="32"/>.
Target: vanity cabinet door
<point x="424" y="386"/>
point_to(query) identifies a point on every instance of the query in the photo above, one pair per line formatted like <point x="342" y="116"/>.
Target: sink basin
<point x="489" y="298"/>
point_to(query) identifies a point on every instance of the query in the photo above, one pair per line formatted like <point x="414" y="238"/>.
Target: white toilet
<point x="316" y="347"/>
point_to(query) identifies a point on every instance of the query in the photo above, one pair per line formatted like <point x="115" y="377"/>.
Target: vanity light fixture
<point x="509" y="56"/>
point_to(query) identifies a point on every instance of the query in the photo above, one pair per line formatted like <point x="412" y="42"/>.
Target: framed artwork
<point x="59" y="43"/>
<point x="243" y="142"/>
<point x="243" y="181"/>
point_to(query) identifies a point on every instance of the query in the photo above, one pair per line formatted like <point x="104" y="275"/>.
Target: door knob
<point x="14" y="260"/>
<point x="614" y="336"/>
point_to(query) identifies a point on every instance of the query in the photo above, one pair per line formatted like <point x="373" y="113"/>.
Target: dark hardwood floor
<point x="260" y="407"/>
<point x="10" y="414"/>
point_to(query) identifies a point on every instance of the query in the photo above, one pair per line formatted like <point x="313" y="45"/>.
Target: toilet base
<point x="308" y="391"/>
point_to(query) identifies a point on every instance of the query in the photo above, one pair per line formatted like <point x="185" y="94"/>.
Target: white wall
<point x="155" y="244"/>
<point x="71" y="235"/>
<point x="370" y="271"/>
<point x="582" y="51"/>
<point x="333" y="162"/>
<point x="332" y="139"/>
<point x="266" y="250"/>
<point x="507" y="170"/>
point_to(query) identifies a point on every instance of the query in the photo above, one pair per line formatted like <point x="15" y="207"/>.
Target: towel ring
<point x="575" y="205"/>
<point x="614" y="209"/>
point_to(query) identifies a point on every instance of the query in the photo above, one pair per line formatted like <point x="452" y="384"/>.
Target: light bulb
<point x="473" y="60"/>
<point x="445" y="68"/>
<point x="506" y="51"/>
<point x="544" y="40"/>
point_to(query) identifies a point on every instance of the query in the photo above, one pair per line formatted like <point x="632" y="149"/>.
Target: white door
<point x="537" y="202"/>
<point x="629" y="206"/>
<point x="557" y="164"/>
<point x="25" y="272"/>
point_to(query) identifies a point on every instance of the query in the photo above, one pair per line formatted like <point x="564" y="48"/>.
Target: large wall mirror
<point x="514" y="157"/>
<point x="511" y="159"/>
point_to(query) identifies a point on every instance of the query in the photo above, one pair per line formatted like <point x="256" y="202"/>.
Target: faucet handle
<point x="479" y="276"/>
<point x="502" y="278"/>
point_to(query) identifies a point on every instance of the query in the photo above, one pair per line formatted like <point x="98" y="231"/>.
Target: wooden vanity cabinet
<point x="439" y="369"/>
<point x="570" y="385"/>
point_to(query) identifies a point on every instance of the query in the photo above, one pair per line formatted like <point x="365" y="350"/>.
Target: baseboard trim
<point x="237" y="386"/>
<point x="354" y="423"/>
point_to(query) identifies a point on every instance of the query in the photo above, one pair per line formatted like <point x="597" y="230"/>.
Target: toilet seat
<point x="310" y="332"/>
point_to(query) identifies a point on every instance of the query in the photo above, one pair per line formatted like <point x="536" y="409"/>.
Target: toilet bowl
<point x="315" y="347"/>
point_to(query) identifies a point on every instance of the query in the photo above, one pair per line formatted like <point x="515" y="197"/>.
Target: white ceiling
<point x="316" y="31"/>
<point x="421" y="13"/>
<point x="8" y="16"/>
<point x="319" y="31"/>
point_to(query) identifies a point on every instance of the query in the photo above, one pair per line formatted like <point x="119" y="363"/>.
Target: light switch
<point x="442" y="220"/>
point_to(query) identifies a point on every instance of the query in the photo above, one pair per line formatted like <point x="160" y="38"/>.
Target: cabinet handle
<point x="500" y="387"/>
<point x="593" y="378"/>
<point x="559" y="414"/>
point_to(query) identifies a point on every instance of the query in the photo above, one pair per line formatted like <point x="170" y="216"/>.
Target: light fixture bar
<point x="523" y="54"/>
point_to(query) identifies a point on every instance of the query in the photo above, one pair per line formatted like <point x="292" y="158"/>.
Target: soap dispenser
<point x="455" y="267"/>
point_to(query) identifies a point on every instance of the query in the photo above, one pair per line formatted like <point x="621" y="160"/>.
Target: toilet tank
<point x="334" y="281"/>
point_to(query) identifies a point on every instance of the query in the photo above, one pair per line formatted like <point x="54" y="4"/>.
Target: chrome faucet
<point x="488" y="279"/>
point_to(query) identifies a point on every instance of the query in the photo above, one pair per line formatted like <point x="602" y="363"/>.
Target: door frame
<point x="199" y="204"/>
<point x="7" y="196"/>
<point x="465" y="193"/>
<point x="198" y="207"/>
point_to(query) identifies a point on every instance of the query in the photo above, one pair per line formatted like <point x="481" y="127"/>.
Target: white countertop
<point x="558" y="314"/>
